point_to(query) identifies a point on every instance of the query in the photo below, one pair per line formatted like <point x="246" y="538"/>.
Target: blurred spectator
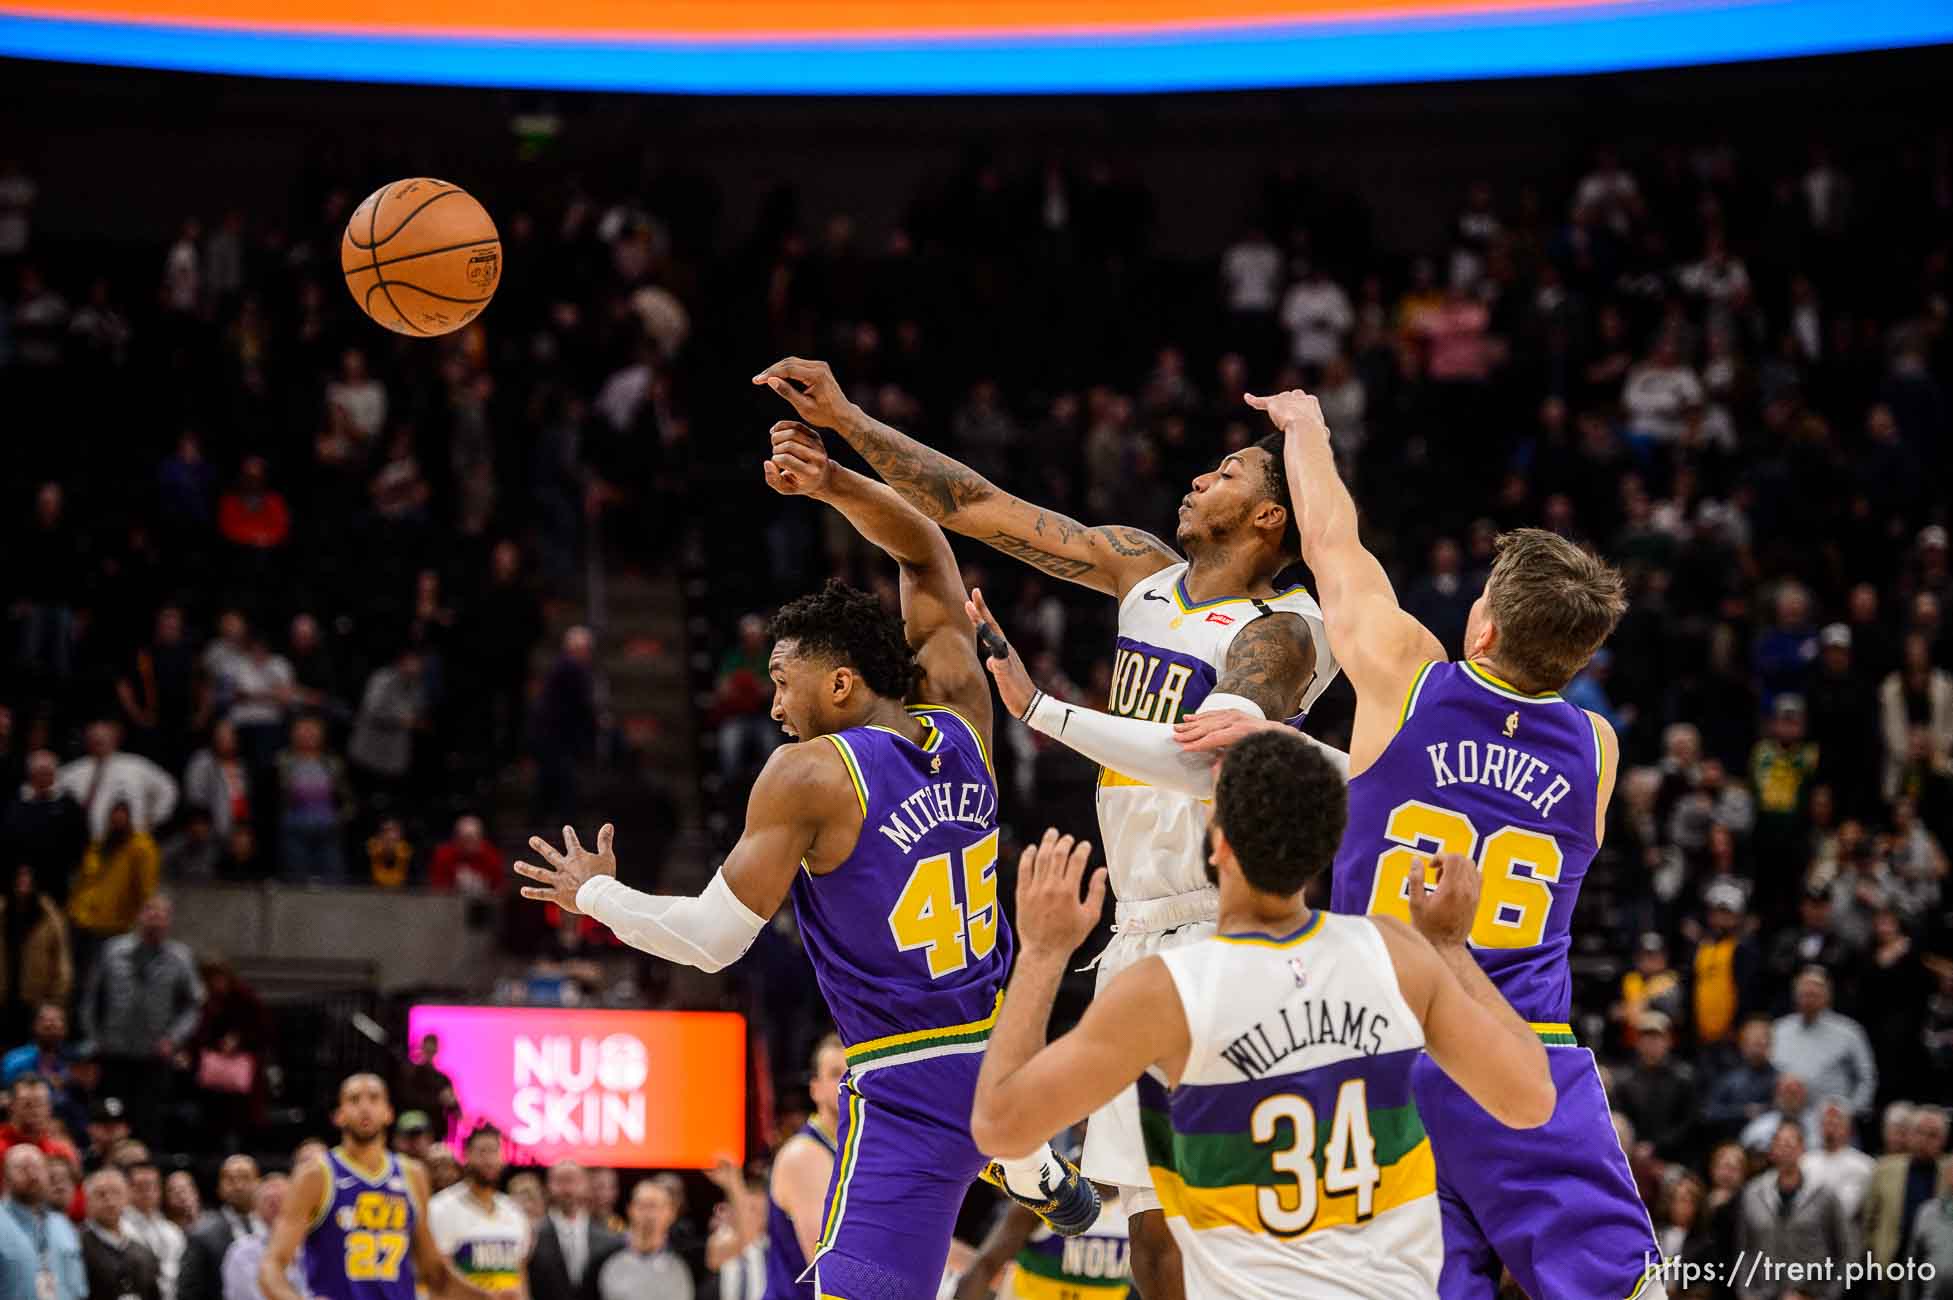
<point x="45" y="1055"/>
<point x="37" y="966"/>
<point x="1836" y="1163"/>
<point x="467" y="861"/>
<point x="116" y="1264"/>
<point x="64" y="1185"/>
<point x="646" y="1266"/>
<point x="38" y="1243"/>
<point x="30" y="1119"/>
<point x="413" y="1134"/>
<point x="47" y="569"/>
<point x="1931" y="1243"/>
<point x="603" y="1199"/>
<point x="46" y="828"/>
<point x="253" y="515"/>
<point x="497" y="641"/>
<point x="210" y="1238"/>
<point x="218" y="782"/>
<point x="185" y="487"/>
<point x="238" y="861"/>
<point x="313" y="802"/>
<point x="108" y="1129"/>
<point x="182" y="1205"/>
<point x="426" y="1087"/>
<point x="1683" y="1219"/>
<point x="747" y="734"/>
<point x="1781" y="769"/>
<point x="139" y="1007"/>
<point x="1917" y="694"/>
<point x="1653" y="985"/>
<point x="1744" y="1091"/>
<point x="360" y="399"/>
<point x="484" y="1232"/>
<point x="107" y="777"/>
<point x="392" y="708"/>
<point x="1723" y="972"/>
<point x="1442" y="599"/>
<point x="526" y="1190"/>
<point x="1658" y="1093"/>
<point x="1827" y="1050"/>
<point x="570" y="1251"/>
<point x="1317" y="315"/>
<point x="984" y="434"/>
<point x="238" y="1271"/>
<point x="389" y="857"/>
<point x="145" y="1221"/>
<point x="1659" y="392"/>
<point x="17" y="195"/>
<point x="314" y="676"/>
<point x="160" y="693"/>
<point x="566" y="728"/>
<point x="229" y="1047"/>
<point x="119" y="873"/>
<point x="1790" y="1102"/>
<point x="1843" y="713"/>
<point x="1813" y="942"/>
<point x="1791" y="1220"/>
<point x="443" y="1170"/>
<point x="261" y="691"/>
<point x="1902" y="1181"/>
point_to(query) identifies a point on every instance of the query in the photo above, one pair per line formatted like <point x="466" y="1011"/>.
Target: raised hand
<point x="1292" y="412"/>
<point x="567" y="870"/>
<point x="798" y="465"/>
<point x="1051" y="918"/>
<point x="1444" y="898"/>
<point x="810" y="388"/>
<point x="1014" y="685"/>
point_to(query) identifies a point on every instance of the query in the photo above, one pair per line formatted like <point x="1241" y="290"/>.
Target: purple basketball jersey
<point x="1507" y="779"/>
<point x="908" y="942"/>
<point x="361" y="1244"/>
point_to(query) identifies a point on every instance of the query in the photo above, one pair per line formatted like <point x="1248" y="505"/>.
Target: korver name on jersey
<point x="1132" y="682"/>
<point x="1306" y="1024"/>
<point x="964" y="801"/>
<point x="1503" y="767"/>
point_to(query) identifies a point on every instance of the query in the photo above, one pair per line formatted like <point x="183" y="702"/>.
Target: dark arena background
<point x="309" y="626"/>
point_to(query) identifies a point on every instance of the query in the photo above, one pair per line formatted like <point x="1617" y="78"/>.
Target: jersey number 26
<point x="1513" y="904"/>
<point x="927" y="915"/>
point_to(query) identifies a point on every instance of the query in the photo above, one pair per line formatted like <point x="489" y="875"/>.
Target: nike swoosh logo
<point x="1151" y="595"/>
<point x="349" y="1182"/>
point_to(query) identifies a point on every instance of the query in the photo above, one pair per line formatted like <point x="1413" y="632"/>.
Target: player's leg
<point x="902" y="1169"/>
<point x="1556" y="1204"/>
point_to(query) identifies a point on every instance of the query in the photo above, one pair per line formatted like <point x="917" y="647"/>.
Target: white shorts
<point x="1115" y="1152"/>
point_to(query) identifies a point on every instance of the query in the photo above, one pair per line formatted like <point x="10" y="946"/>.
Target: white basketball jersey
<point x="1290" y="1159"/>
<point x="1170" y="653"/>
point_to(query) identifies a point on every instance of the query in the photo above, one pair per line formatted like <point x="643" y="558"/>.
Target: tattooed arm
<point x="1271" y="661"/>
<point x="1111" y="558"/>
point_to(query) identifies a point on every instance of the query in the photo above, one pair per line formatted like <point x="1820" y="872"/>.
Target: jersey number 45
<point x="929" y="916"/>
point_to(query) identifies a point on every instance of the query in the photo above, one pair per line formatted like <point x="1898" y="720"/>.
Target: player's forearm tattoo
<point x="928" y="480"/>
<point x="1271" y="663"/>
<point x="1058" y="566"/>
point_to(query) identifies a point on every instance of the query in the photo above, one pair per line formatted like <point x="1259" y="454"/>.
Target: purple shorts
<point x="1555" y="1204"/>
<point x="905" y="1163"/>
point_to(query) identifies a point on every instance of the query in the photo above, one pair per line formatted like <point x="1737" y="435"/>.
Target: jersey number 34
<point x="1517" y="869"/>
<point x="928" y="916"/>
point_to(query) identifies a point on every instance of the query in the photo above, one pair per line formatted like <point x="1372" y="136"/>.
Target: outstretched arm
<point x="932" y="585"/>
<point x="1026" y="1090"/>
<point x="802" y="794"/>
<point x="1376" y="642"/>
<point x="1152" y="751"/>
<point x="1110" y="558"/>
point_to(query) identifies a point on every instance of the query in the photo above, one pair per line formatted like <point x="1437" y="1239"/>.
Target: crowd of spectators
<point x="284" y="629"/>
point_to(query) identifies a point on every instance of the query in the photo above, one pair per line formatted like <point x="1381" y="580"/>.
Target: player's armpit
<point x="1135" y="1024"/>
<point x="1271" y="661"/>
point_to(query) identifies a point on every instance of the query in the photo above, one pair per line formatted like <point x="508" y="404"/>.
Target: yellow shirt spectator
<point x="117" y="876"/>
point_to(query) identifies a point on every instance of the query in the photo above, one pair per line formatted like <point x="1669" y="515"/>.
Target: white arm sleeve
<point x="1147" y="750"/>
<point x="710" y="932"/>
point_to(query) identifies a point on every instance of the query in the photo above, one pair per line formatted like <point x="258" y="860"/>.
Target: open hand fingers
<point x="606" y="835"/>
<point x="534" y="872"/>
<point x="547" y="851"/>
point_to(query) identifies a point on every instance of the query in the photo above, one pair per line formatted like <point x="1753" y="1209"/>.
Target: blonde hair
<point x="1554" y="604"/>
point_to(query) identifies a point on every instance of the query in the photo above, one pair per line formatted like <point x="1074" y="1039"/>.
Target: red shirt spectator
<point x="254" y="514"/>
<point x="468" y="862"/>
<point x="32" y="1121"/>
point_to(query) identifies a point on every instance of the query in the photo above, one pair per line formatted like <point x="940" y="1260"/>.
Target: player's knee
<point x="1155" y="1258"/>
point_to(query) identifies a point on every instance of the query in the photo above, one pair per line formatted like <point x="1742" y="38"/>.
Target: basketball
<point x="421" y="257"/>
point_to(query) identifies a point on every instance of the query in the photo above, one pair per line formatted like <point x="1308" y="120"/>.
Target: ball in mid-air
<point x="421" y="257"/>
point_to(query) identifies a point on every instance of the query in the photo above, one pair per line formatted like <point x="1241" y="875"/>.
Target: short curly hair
<point x="1282" y="806"/>
<point x="842" y="625"/>
<point x="1275" y="486"/>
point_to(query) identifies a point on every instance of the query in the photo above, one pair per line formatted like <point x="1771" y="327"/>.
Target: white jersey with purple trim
<point x="1171" y="652"/>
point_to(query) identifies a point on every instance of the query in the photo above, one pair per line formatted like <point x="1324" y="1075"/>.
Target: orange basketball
<point x="421" y="257"/>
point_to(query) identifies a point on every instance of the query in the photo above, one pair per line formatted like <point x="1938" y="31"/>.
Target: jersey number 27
<point x="927" y="915"/>
<point x="1517" y="869"/>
